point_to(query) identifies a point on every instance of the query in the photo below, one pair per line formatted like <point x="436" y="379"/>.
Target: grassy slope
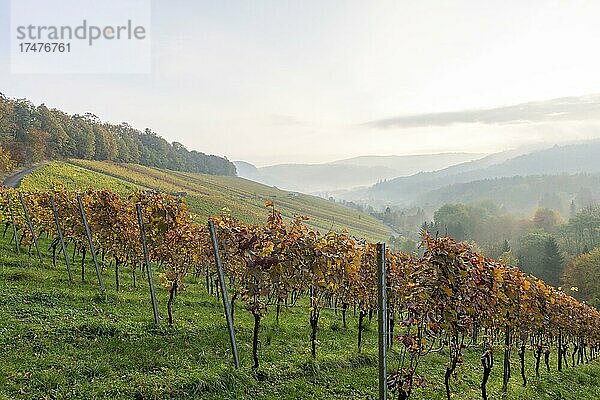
<point x="208" y="195"/>
<point x="61" y="340"/>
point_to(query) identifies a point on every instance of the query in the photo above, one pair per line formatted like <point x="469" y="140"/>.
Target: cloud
<point x="561" y="109"/>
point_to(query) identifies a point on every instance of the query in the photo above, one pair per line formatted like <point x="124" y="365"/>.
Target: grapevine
<point x="449" y="298"/>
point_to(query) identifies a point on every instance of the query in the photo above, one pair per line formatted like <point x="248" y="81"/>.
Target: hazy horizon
<point x="308" y="82"/>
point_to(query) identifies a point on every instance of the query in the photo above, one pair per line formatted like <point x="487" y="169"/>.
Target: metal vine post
<point x="226" y="305"/>
<point x="91" y="242"/>
<point x="138" y="210"/>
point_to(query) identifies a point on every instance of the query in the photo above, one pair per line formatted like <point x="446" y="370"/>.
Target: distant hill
<point x="347" y="173"/>
<point x="521" y="194"/>
<point x="568" y="159"/>
<point x="246" y="170"/>
<point x="411" y="164"/>
<point x="309" y="178"/>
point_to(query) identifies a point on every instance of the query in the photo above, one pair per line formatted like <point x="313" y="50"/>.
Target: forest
<point x="31" y="134"/>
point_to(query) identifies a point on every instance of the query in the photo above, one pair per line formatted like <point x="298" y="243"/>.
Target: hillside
<point x="411" y="164"/>
<point x="208" y="194"/>
<point x="568" y="159"/>
<point x="348" y="173"/>
<point x="310" y="178"/>
<point x="521" y="194"/>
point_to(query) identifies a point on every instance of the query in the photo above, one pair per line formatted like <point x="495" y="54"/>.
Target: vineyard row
<point x="446" y="299"/>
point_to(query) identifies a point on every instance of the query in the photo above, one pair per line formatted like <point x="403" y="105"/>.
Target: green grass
<point x="68" y="341"/>
<point x="208" y="194"/>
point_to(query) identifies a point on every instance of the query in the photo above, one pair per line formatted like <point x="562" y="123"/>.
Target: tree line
<point x="30" y="134"/>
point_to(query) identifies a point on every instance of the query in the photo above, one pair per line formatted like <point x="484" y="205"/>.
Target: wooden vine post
<point x="61" y="237"/>
<point x="138" y="210"/>
<point x="88" y="232"/>
<point x="226" y="305"/>
<point x="560" y="351"/>
<point x="382" y="320"/>
<point x="14" y="224"/>
<point x="30" y="225"/>
<point x="506" y="371"/>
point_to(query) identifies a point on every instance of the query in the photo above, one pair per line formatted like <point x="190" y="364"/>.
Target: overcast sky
<point x="312" y="81"/>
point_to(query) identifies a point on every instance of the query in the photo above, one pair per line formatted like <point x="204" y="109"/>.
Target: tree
<point x="553" y="262"/>
<point x="128" y="143"/>
<point x="572" y="209"/>
<point x="7" y="120"/>
<point x="452" y="220"/>
<point x="540" y="255"/>
<point x="154" y="149"/>
<point x="65" y="147"/>
<point x="27" y="141"/>
<point x="484" y="222"/>
<point x="57" y="137"/>
<point x="37" y="141"/>
<point x="428" y="227"/>
<point x="23" y="118"/>
<point x="106" y="144"/>
<point x="403" y="244"/>
<point x="531" y="252"/>
<point x="7" y="164"/>
<point x="546" y="219"/>
<point x="509" y="258"/>
<point x="505" y="246"/>
<point x="582" y="231"/>
<point x="582" y="272"/>
<point x="82" y="135"/>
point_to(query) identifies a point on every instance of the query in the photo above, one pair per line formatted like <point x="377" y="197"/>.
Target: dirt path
<point x="15" y="179"/>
